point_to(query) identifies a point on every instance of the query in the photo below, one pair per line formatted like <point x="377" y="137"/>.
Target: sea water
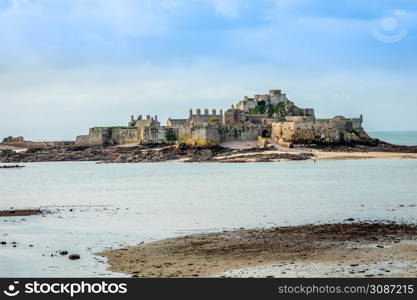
<point x="397" y="137"/>
<point x="99" y="206"/>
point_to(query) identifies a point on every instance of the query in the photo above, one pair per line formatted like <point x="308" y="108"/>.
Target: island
<point x="262" y="128"/>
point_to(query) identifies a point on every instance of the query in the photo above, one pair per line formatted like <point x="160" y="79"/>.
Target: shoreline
<point x="184" y="153"/>
<point x="333" y="250"/>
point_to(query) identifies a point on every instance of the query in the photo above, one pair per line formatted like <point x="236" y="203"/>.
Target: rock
<point x="11" y="167"/>
<point x="63" y="252"/>
<point x="3" y="243"/>
<point x="379" y="246"/>
<point x="354" y="265"/>
<point x="74" y="256"/>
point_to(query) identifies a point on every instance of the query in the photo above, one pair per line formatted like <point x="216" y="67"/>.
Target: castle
<point x="270" y="116"/>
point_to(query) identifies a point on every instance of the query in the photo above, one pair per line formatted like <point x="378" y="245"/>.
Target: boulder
<point x="74" y="256"/>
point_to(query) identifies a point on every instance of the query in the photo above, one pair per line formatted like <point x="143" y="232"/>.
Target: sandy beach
<point x="279" y="155"/>
<point x="332" y="250"/>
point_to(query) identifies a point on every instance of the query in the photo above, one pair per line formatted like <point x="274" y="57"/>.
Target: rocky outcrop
<point x="11" y="167"/>
<point x="148" y="153"/>
<point x="183" y="152"/>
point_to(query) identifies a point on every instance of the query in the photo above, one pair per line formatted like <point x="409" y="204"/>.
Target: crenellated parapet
<point x="140" y="121"/>
<point x="203" y="118"/>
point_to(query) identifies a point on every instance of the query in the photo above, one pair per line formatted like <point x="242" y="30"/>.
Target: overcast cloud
<point x="69" y="65"/>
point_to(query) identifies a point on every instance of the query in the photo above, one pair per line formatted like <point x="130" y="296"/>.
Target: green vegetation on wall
<point x="171" y="137"/>
<point x="258" y="109"/>
<point x="262" y="108"/>
<point x="213" y="120"/>
<point x="280" y="110"/>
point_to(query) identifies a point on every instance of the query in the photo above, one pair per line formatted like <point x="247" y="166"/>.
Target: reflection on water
<point x="110" y="205"/>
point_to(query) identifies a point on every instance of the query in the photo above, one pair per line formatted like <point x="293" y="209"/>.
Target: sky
<point x="68" y="65"/>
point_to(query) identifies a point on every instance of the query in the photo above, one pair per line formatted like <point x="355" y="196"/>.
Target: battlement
<point x="202" y="118"/>
<point x="274" y="92"/>
<point x="140" y="121"/>
<point x="206" y="112"/>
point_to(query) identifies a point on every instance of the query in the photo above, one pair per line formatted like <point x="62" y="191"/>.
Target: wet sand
<point x="335" y="250"/>
<point x="303" y="154"/>
<point x="20" y="212"/>
<point x="322" y="155"/>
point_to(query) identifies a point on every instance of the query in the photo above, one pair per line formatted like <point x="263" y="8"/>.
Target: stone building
<point x="271" y="116"/>
<point x="176" y="122"/>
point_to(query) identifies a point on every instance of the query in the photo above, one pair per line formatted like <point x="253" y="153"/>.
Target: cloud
<point x="60" y="104"/>
<point x="228" y="8"/>
<point x="98" y="61"/>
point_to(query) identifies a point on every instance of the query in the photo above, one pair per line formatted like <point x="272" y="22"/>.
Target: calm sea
<point x="397" y="137"/>
<point x="112" y="205"/>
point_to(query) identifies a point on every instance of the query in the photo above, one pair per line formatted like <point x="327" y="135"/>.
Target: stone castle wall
<point x="330" y="131"/>
<point x="218" y="133"/>
<point x="108" y="136"/>
<point x="160" y="134"/>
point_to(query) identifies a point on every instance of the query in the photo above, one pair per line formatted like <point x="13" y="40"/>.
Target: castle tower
<point x="213" y="112"/>
<point x="274" y="92"/>
<point x="198" y="114"/>
<point x="206" y="111"/>
<point x="191" y="113"/>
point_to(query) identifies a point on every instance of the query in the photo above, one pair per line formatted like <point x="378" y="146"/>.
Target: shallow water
<point x="123" y="204"/>
<point x="396" y="137"/>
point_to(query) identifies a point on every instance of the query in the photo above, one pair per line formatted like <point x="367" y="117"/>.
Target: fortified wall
<point x="300" y="130"/>
<point x="108" y="136"/>
<point x="209" y="133"/>
<point x="271" y="115"/>
<point x="219" y="133"/>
